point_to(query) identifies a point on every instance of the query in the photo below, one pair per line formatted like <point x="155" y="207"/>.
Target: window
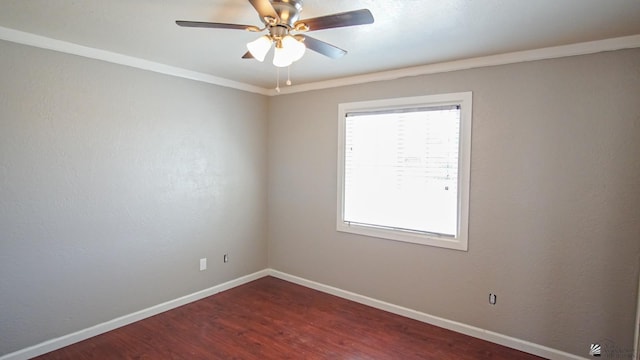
<point x="403" y="169"/>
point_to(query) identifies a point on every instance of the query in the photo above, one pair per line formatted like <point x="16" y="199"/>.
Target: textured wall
<point x="554" y="208"/>
<point x="113" y="183"/>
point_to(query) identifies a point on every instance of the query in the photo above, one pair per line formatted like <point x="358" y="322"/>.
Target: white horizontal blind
<point x="401" y="169"/>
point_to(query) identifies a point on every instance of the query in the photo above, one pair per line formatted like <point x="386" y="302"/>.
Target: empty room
<point x="289" y="179"/>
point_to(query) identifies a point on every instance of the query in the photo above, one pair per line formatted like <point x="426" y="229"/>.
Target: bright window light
<point x="404" y="169"/>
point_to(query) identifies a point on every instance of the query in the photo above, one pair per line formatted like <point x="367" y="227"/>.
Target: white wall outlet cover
<point x="203" y="264"/>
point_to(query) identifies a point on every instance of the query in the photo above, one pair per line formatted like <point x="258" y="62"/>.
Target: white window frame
<point x="459" y="242"/>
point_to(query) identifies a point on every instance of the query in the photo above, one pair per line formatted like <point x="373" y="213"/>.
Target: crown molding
<point x="584" y="48"/>
<point x="43" y="42"/>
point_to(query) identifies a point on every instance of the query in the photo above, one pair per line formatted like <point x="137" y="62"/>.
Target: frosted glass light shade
<point x="294" y="48"/>
<point x="259" y="47"/>
<point x="281" y="57"/>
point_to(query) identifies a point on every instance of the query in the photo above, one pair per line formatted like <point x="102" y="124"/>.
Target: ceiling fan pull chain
<point x="289" y="75"/>
<point x="277" y="79"/>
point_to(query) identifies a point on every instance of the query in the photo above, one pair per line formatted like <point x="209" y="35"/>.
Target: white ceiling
<point x="405" y="33"/>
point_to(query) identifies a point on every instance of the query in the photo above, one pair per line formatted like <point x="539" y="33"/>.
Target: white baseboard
<point x="473" y="331"/>
<point x="518" y="344"/>
<point x="57" y="343"/>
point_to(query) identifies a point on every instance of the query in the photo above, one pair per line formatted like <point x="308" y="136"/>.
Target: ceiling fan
<point x="281" y="21"/>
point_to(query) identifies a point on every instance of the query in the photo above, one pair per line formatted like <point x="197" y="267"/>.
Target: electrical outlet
<point x="203" y="264"/>
<point x="225" y="258"/>
<point x="493" y="299"/>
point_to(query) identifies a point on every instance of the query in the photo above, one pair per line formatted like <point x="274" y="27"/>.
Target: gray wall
<point x="114" y="182"/>
<point x="554" y="208"/>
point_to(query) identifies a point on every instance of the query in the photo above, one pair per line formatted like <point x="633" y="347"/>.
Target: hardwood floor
<point x="274" y="319"/>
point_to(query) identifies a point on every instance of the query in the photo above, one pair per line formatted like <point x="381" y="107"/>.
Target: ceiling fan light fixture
<point x="260" y="47"/>
<point x="281" y="58"/>
<point x="295" y="49"/>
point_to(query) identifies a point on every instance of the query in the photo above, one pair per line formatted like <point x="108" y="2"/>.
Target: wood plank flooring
<point x="273" y="319"/>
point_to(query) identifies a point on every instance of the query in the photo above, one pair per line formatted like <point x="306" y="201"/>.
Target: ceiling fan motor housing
<point x="288" y="11"/>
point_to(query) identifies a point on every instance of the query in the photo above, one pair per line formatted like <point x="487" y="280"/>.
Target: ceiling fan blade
<point x="349" y="18"/>
<point x="322" y="47"/>
<point x="265" y="9"/>
<point x="247" y="55"/>
<point x="202" y="24"/>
